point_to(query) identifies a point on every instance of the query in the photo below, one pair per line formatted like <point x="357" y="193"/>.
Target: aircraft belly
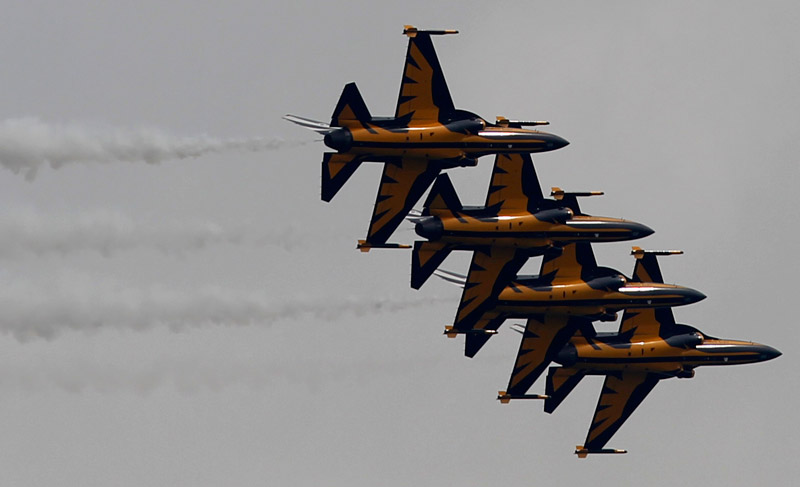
<point x="604" y="368"/>
<point x="390" y="151"/>
<point x="522" y="309"/>
<point x="476" y="239"/>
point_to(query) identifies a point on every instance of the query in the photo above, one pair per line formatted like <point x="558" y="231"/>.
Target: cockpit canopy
<point x="686" y="340"/>
<point x="554" y="215"/>
<point x="611" y="283"/>
<point x="470" y="124"/>
<point x="607" y="278"/>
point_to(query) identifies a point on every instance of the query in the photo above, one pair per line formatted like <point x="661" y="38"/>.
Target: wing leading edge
<point x="621" y="395"/>
<point x="402" y="184"/>
<point x="423" y="90"/>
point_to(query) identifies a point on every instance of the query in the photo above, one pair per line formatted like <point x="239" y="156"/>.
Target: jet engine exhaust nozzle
<point x="340" y="140"/>
<point x="430" y="228"/>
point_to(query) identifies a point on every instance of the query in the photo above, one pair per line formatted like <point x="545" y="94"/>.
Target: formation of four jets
<point x="427" y="135"/>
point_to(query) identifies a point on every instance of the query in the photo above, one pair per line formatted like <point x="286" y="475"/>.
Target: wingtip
<point x="583" y="452"/>
<point x="365" y="246"/>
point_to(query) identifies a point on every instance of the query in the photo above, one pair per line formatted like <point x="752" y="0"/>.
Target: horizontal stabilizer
<point x="319" y="127"/>
<point x="504" y="397"/>
<point x="459" y="280"/>
<point x="365" y="246"/>
<point x="425" y="258"/>
<point x="336" y="170"/>
<point x="412" y="31"/>
<point x="504" y="122"/>
<point x="583" y="452"/>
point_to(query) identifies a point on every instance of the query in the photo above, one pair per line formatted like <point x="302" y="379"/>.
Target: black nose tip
<point x="770" y="353"/>
<point x="641" y="231"/>
<point x="692" y="295"/>
<point x="554" y="142"/>
<point x="559" y="142"/>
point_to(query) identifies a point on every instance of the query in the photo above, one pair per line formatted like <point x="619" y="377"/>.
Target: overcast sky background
<point x="182" y="309"/>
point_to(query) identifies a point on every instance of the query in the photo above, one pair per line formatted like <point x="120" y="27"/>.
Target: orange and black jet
<point x="516" y="217"/>
<point x="570" y="292"/>
<point x="426" y="135"/>
<point x="648" y="347"/>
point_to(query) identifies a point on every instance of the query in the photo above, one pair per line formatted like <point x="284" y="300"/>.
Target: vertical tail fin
<point x="336" y="170"/>
<point x="426" y="258"/>
<point x="351" y="109"/>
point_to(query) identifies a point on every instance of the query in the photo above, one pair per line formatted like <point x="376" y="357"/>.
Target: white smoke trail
<point x="46" y="311"/>
<point x="29" y="232"/>
<point x="27" y="144"/>
<point x="25" y="232"/>
<point x="197" y="373"/>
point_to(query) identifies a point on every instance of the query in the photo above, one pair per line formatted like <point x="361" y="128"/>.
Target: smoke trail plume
<point x="45" y="311"/>
<point x="29" y="232"/>
<point x="195" y="374"/>
<point x="27" y="144"/>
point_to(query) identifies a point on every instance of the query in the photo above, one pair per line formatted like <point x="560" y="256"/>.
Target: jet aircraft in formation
<point x="427" y="135"/>
<point x="649" y="346"/>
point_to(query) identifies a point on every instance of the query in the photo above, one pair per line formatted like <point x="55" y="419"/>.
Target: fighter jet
<point x="570" y="292"/>
<point x="426" y="135"/>
<point x="516" y="217"/>
<point x="648" y="347"/>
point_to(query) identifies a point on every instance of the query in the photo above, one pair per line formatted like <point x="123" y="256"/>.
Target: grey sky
<point x="684" y="113"/>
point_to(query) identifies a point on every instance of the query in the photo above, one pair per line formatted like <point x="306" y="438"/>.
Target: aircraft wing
<point x="423" y="90"/>
<point x="574" y="259"/>
<point x="403" y="182"/>
<point x="543" y="338"/>
<point x="489" y="322"/>
<point x="560" y="382"/>
<point x="650" y="322"/>
<point x="490" y="271"/>
<point x="514" y="185"/>
<point x="621" y="395"/>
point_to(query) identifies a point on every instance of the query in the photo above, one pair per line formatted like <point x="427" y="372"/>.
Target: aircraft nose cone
<point x="691" y="295"/>
<point x="639" y="231"/>
<point x="554" y="142"/>
<point x="769" y="353"/>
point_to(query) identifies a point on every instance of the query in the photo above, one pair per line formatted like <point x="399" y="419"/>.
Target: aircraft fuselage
<point x="461" y="142"/>
<point x="675" y="356"/>
<point x="537" y="231"/>
<point x="598" y="298"/>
